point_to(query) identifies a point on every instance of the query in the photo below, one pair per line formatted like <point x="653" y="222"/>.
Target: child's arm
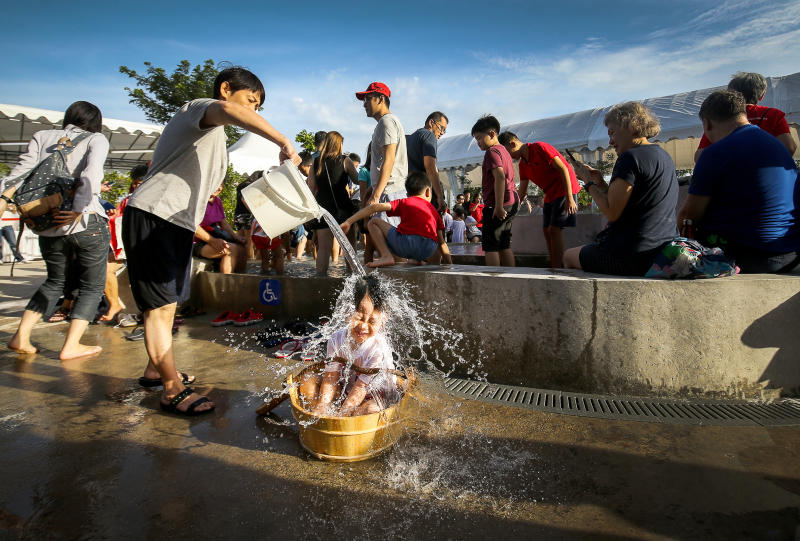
<point x="354" y="398"/>
<point x="326" y="391"/>
<point x="499" y="193"/>
<point x="446" y="259"/>
<point x="569" y="202"/>
<point x="363" y="213"/>
<point x="221" y="113"/>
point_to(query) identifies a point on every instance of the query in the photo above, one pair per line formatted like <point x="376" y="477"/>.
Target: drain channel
<point x="785" y="412"/>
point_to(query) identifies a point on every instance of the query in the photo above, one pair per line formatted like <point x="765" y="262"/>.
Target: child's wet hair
<point x="369" y="285"/>
<point x="238" y="78"/>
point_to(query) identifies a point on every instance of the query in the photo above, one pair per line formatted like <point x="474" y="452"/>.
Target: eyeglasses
<point x="442" y="130"/>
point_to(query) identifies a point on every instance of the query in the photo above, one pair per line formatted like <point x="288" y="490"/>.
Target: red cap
<point x="376" y="87"/>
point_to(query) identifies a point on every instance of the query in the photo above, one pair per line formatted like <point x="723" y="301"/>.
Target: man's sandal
<point x="186" y="379"/>
<point x="172" y="407"/>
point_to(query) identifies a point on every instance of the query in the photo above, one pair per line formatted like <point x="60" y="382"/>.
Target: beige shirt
<point x="189" y="164"/>
<point x="84" y="162"/>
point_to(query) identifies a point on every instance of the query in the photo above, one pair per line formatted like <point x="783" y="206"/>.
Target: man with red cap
<point x="388" y="152"/>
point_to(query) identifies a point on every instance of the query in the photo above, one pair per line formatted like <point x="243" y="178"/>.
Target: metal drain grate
<point x="695" y="412"/>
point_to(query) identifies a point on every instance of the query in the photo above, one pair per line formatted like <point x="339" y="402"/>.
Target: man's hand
<point x="219" y="245"/>
<point x="570" y="207"/>
<point x="64" y="217"/>
<point x="373" y="200"/>
<point x="289" y="153"/>
<point x="345" y="227"/>
<point x="499" y="213"/>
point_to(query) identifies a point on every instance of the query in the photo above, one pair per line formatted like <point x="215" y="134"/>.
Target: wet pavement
<point x="87" y="454"/>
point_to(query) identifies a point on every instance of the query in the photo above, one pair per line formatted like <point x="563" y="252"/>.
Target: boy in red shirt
<point x="547" y="168"/>
<point x="499" y="193"/>
<point x="420" y="235"/>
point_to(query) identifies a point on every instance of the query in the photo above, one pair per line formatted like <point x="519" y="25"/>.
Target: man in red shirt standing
<point x="753" y="86"/>
<point x="548" y="169"/>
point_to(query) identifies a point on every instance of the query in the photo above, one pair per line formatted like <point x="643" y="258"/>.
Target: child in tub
<point x="354" y="353"/>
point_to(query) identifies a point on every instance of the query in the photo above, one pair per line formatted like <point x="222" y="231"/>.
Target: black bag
<point x="217" y="232"/>
<point x="48" y="188"/>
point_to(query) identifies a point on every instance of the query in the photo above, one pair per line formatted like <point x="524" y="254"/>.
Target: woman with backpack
<point x="82" y="231"/>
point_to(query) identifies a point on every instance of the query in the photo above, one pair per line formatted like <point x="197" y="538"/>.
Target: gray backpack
<point x="47" y="188"/>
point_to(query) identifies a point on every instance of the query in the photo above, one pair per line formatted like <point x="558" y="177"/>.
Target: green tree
<point x="120" y="183"/>
<point x="4" y="170"/>
<point x="228" y="194"/>
<point x="160" y="94"/>
<point x="306" y="140"/>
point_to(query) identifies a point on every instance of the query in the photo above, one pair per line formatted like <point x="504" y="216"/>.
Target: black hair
<point x="354" y="157"/>
<point x="436" y="116"/>
<point x="459" y="211"/>
<point x="306" y="158"/>
<point x="84" y="115"/>
<point x="506" y="137"/>
<point x="485" y="124"/>
<point x="369" y="285"/>
<point x="416" y="183"/>
<point x="319" y="138"/>
<point x="723" y="105"/>
<point x="138" y="172"/>
<point x="239" y="78"/>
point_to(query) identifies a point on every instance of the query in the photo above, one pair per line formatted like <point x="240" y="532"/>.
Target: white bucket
<point x="281" y="200"/>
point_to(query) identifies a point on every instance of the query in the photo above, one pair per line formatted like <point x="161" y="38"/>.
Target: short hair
<point x="459" y="210"/>
<point x="306" y="158"/>
<point x="751" y="85"/>
<point x="354" y="157"/>
<point x="506" y="137"/>
<point x="723" y="105"/>
<point x="239" y="78"/>
<point x="485" y="124"/>
<point x="379" y="95"/>
<point x="84" y="115"/>
<point x="437" y="116"/>
<point x="138" y="172"/>
<point x="634" y="117"/>
<point x="369" y="285"/>
<point x="416" y="183"/>
<point x="319" y="137"/>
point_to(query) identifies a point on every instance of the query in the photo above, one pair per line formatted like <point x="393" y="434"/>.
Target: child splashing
<point x="360" y="369"/>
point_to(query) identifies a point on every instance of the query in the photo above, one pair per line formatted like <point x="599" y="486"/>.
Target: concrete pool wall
<point x="575" y="331"/>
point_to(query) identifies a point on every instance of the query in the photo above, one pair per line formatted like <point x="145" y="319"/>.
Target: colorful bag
<point x="688" y="259"/>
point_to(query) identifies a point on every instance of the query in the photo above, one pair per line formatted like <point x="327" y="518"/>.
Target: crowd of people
<point x="743" y="198"/>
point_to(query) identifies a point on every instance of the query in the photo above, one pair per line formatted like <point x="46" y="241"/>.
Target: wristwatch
<point x="6" y="199"/>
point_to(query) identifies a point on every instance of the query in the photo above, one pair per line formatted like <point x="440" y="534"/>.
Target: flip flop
<point x="290" y="347"/>
<point x="58" y="316"/>
<point x="172" y="407"/>
<point x="156" y="382"/>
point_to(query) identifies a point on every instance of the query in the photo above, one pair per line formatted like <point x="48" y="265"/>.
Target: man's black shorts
<point x="159" y="258"/>
<point x="497" y="234"/>
<point x="555" y="215"/>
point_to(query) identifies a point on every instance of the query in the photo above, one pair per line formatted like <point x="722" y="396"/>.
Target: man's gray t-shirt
<point x="188" y="165"/>
<point x="389" y="131"/>
<point x="421" y="143"/>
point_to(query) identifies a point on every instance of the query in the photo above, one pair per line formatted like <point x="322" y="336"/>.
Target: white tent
<point x="253" y="153"/>
<point x="131" y="142"/>
<point x="584" y="130"/>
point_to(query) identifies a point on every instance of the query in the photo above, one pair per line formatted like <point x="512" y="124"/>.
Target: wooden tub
<point x="349" y="439"/>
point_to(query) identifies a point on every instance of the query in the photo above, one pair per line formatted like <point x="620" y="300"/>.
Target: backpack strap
<point x="73" y="142"/>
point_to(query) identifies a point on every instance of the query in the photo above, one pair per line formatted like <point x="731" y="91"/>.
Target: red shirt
<point x="498" y="157"/>
<point x="539" y="169"/>
<point x="417" y="217"/>
<point x="769" y="119"/>
<point x="476" y="211"/>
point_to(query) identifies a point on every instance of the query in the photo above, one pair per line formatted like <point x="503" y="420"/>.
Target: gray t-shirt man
<point x="189" y="164"/>
<point x="389" y="131"/>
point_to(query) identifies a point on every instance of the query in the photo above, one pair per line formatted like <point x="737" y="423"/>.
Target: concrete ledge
<point x="570" y="330"/>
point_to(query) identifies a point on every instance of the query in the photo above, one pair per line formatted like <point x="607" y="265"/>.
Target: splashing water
<point x="349" y="252"/>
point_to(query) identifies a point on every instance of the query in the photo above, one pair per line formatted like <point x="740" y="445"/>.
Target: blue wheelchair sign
<point x="269" y="291"/>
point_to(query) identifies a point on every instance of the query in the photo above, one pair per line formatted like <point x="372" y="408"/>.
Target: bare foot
<point x="188" y="401"/>
<point x="80" y="351"/>
<point x="111" y="314"/>
<point x="381" y="262"/>
<point x="27" y="349"/>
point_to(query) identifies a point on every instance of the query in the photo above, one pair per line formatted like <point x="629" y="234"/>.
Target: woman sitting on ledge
<point x="639" y="202"/>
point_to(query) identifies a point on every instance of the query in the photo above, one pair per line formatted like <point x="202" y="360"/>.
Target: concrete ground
<point x="87" y="454"/>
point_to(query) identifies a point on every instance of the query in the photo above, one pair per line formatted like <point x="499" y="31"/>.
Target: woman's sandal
<point x="172" y="407"/>
<point x="58" y="316"/>
<point x="156" y="382"/>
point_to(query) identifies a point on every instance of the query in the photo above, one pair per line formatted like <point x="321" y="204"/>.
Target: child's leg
<point x="325" y="239"/>
<point x="264" y="260"/>
<point x="555" y="245"/>
<point x="378" y="229"/>
<point x="507" y="258"/>
<point x="335" y="250"/>
<point x="309" y="387"/>
<point x="369" y="248"/>
<point x="492" y="259"/>
<point x="547" y="239"/>
<point x="367" y="406"/>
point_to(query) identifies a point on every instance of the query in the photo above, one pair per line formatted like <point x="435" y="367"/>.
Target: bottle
<point x="687" y="230"/>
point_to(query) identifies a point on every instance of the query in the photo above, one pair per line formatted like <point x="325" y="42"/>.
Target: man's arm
<point x="221" y="113"/>
<point x="433" y="176"/>
<point x="364" y="213"/>
<point x="788" y="141"/>
<point x="569" y="202"/>
<point x="693" y="209"/>
<point x="499" y="192"/>
<point x="389" y="153"/>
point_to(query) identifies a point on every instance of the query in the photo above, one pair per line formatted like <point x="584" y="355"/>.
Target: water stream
<point x="349" y="252"/>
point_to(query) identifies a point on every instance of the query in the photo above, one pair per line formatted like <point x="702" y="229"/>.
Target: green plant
<point x="4" y="170"/>
<point x="228" y="194"/>
<point x="306" y="140"/>
<point x="120" y="183"/>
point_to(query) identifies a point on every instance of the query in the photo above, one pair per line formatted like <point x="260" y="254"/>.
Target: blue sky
<point x="517" y="60"/>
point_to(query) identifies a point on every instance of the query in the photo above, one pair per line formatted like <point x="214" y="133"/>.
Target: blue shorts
<point x="410" y="246"/>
